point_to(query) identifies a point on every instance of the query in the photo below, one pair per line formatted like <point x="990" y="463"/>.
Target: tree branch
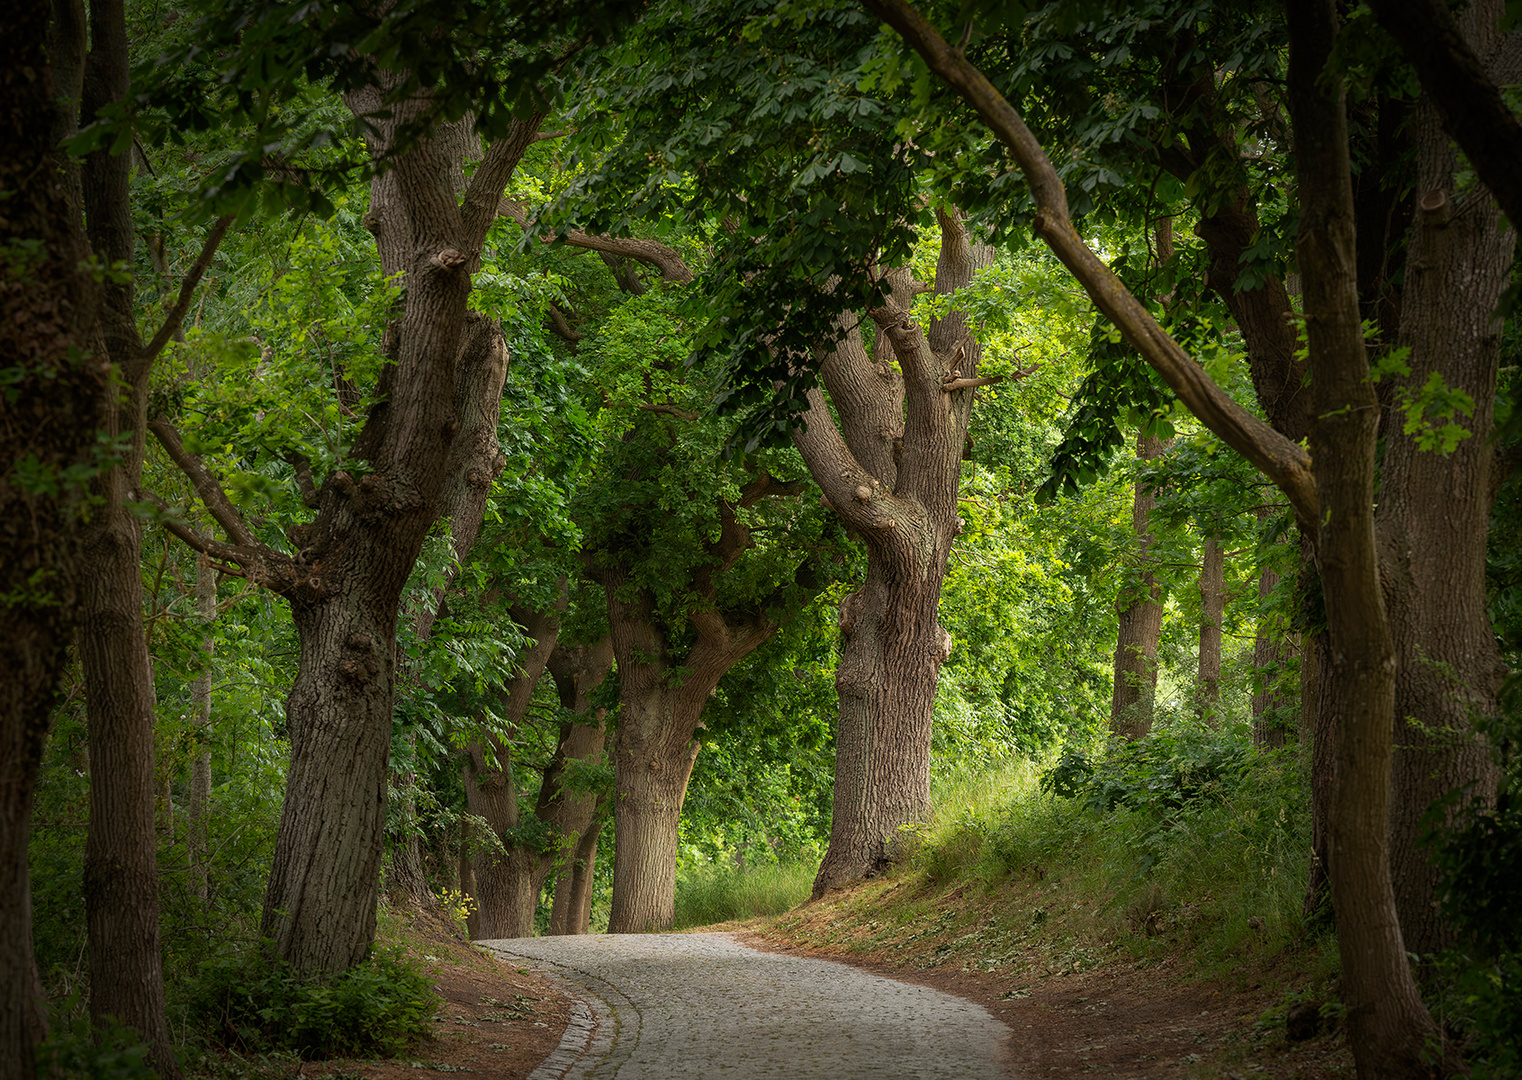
<point x="257" y="563"/>
<point x="484" y="192"/>
<point x="206" y="485"/>
<point x="1285" y="462"/>
<point x="176" y="314"/>
<point x="1455" y="78"/>
<point x="670" y="409"/>
<point x="663" y="258"/>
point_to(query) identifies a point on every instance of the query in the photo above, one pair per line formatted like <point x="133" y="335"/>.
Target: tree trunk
<point x="1434" y="512"/>
<point x="1212" y="614"/>
<point x="577" y="671"/>
<point x="1389" y="1028"/>
<point x="1140" y="611"/>
<point x="508" y="882"/>
<point x="121" y="870"/>
<point x="197" y="850"/>
<point x="660" y="711"/>
<point x="51" y="414"/>
<point x="346" y="583"/>
<point x="903" y="505"/>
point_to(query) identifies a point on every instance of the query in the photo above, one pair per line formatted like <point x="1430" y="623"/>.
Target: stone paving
<point x="699" y="1006"/>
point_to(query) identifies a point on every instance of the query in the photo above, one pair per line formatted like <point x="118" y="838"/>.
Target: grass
<point x="722" y="893"/>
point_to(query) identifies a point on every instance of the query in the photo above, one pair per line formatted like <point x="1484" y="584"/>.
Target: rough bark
<point x="898" y="493"/>
<point x="1389" y="1027"/>
<point x="1140" y="612"/>
<point x="50" y="415"/>
<point x="1448" y="668"/>
<point x="660" y="712"/>
<point x="1212" y="612"/>
<point x="120" y="871"/>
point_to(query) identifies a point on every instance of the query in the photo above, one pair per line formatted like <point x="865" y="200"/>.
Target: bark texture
<point x="1389" y="1027"/>
<point x="1448" y="668"/>
<point x="1140" y="611"/>
<point x="898" y="493"/>
<point x="50" y="415"/>
<point x="578" y="670"/>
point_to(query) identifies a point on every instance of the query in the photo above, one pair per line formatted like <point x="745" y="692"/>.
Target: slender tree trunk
<point x="121" y="871"/>
<point x="1389" y="1028"/>
<point x="1212" y="614"/>
<point x="1140" y="611"/>
<point x="1434" y="511"/>
<point x="508" y="882"/>
<point x="577" y="671"/>
<point x="197" y="850"/>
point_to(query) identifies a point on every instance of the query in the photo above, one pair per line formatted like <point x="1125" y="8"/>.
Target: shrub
<point x="250" y="1002"/>
<point x="112" y="1052"/>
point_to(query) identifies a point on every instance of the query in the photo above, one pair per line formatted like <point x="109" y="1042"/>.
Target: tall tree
<point x="891" y="469"/>
<point x="1392" y="1026"/>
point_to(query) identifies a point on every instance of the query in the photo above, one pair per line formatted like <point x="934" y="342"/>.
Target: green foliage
<point x="80" y="1051"/>
<point x="725" y="892"/>
<point x="1160" y="773"/>
<point x="249" y="1002"/>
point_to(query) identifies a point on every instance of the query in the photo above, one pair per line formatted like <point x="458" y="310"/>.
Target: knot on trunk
<point x="449" y="259"/>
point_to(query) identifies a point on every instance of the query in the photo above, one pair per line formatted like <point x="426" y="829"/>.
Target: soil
<point x="1151" y="1020"/>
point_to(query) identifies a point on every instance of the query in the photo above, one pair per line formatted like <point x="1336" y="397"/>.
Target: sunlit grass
<point x="725" y="893"/>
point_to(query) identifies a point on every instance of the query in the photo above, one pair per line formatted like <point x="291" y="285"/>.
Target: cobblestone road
<point x="691" y="1006"/>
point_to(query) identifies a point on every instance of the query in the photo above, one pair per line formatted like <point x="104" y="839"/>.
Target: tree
<point x="1391" y="1026"/>
<point x="352" y="561"/>
<point x="1141" y="619"/>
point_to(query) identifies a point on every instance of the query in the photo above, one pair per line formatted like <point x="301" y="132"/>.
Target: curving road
<point x="701" y="1006"/>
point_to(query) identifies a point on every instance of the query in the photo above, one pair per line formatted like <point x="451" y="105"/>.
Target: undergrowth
<point x="722" y="893"/>
<point x="250" y="1003"/>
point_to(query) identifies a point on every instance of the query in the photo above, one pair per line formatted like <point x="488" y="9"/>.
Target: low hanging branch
<point x="176" y="314"/>
<point x="1283" y="461"/>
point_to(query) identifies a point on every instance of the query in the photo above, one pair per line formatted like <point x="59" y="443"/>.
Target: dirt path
<point x="674" y="1006"/>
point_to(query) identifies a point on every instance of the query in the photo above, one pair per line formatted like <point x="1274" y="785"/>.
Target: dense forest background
<point x="553" y="465"/>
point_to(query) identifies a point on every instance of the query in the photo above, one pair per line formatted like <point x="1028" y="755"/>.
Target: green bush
<point x="112" y="1052"/>
<point x="248" y="1002"/>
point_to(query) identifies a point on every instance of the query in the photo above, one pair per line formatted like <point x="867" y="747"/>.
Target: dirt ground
<point x="496" y="1022"/>
<point x="1121" y="1020"/>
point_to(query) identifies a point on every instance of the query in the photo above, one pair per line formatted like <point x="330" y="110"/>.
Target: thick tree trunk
<point x="51" y="413"/>
<point x="653" y="756"/>
<point x="1212" y="614"/>
<point x="1140" y="611"/>
<point x="1389" y="1028"/>
<point x="1434" y="513"/>
<point x="904" y="507"/>
<point x="654" y="746"/>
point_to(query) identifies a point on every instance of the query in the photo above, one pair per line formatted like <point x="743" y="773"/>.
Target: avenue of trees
<point x="513" y="453"/>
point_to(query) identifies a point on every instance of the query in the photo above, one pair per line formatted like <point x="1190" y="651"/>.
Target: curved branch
<point x="1284" y="461"/>
<point x="663" y="258"/>
<point x="258" y="563"/>
<point x="207" y="487"/>
<point x="176" y="314"/>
